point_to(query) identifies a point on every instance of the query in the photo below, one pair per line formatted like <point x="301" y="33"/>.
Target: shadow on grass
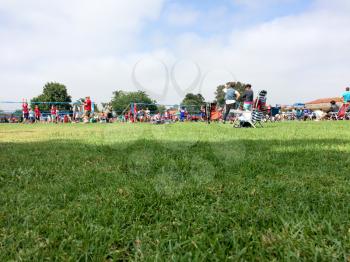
<point x="325" y="156"/>
<point x="241" y="199"/>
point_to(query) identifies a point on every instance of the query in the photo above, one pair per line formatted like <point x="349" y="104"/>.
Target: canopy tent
<point x="299" y="105"/>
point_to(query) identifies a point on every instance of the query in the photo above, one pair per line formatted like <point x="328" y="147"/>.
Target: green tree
<point x="220" y="94"/>
<point x="121" y="100"/>
<point x="161" y="109"/>
<point x="193" y="102"/>
<point x="53" y="92"/>
<point x="96" y="108"/>
<point x="18" y="113"/>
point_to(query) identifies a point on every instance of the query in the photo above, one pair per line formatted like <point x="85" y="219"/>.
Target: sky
<point x="298" y="50"/>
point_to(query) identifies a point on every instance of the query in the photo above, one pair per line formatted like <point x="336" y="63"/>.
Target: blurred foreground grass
<point x="175" y="192"/>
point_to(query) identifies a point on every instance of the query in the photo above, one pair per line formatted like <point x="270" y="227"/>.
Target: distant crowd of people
<point x="81" y="112"/>
<point x="335" y="111"/>
<point x="169" y="115"/>
<point x="234" y="100"/>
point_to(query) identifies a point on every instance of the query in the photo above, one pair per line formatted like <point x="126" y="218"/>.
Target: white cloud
<point x="81" y="43"/>
<point x="296" y="58"/>
<point x="181" y="16"/>
<point x="92" y="47"/>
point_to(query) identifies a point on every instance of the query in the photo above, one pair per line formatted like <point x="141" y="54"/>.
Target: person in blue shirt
<point x="231" y="97"/>
<point x="182" y="114"/>
<point x="346" y="95"/>
<point x="299" y="113"/>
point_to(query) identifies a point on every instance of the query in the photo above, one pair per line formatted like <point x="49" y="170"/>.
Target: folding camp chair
<point x="254" y="118"/>
<point x="343" y="111"/>
<point x="347" y="116"/>
<point x="259" y="109"/>
<point x="333" y="115"/>
<point x="243" y="118"/>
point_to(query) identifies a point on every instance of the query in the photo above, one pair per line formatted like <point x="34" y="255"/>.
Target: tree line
<point x="58" y="93"/>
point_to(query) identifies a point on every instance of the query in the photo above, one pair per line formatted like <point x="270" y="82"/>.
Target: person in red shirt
<point x="53" y="114"/>
<point x="66" y="119"/>
<point x="37" y="113"/>
<point x="87" y="107"/>
<point x="25" y="111"/>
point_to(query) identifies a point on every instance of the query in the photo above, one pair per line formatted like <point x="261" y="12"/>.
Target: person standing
<point x="58" y="116"/>
<point x="203" y="113"/>
<point x="53" y="114"/>
<point x="37" y="113"/>
<point x="31" y="116"/>
<point x="148" y="114"/>
<point x="346" y="95"/>
<point x="231" y="97"/>
<point x="87" y="107"/>
<point x="75" y="112"/>
<point x="25" y="111"/>
<point x="182" y="114"/>
<point x="248" y="98"/>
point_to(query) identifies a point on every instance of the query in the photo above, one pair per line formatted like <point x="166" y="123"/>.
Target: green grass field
<point x="177" y="192"/>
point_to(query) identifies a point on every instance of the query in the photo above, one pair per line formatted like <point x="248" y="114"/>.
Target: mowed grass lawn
<point x="178" y="192"/>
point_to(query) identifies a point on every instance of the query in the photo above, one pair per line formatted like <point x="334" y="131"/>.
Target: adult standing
<point x="346" y="95"/>
<point x="248" y="98"/>
<point x="231" y="97"/>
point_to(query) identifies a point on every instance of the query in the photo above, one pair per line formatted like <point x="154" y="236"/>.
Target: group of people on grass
<point x="55" y="115"/>
<point x="182" y="114"/>
<point x="169" y="115"/>
<point x="232" y="97"/>
<point x="234" y="100"/>
<point x="335" y="111"/>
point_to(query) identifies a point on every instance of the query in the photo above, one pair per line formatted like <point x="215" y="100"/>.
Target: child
<point x="53" y="114"/>
<point x="148" y="114"/>
<point x="66" y="119"/>
<point x="87" y="108"/>
<point x="37" y="114"/>
<point x="182" y="114"/>
<point x="31" y="116"/>
<point x="25" y="110"/>
<point x="58" y="118"/>
<point x="203" y="114"/>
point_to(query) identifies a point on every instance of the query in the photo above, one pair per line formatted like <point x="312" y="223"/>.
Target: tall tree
<point x="121" y="100"/>
<point x="193" y="102"/>
<point x="53" y="92"/>
<point x="192" y="99"/>
<point x="220" y="94"/>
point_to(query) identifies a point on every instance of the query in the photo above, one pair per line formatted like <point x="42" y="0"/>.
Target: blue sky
<point x="297" y="50"/>
<point x="211" y="18"/>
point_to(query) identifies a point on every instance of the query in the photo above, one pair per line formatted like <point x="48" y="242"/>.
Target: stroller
<point x="253" y="118"/>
